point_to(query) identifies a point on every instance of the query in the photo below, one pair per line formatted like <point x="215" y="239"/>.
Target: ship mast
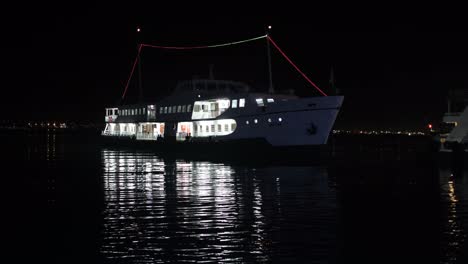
<point x="140" y="87"/>
<point x="270" y="88"/>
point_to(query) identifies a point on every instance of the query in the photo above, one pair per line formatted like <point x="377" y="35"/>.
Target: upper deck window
<point x="210" y="108"/>
<point x="242" y="102"/>
<point x="270" y="100"/>
<point x="234" y="103"/>
<point x="260" y="102"/>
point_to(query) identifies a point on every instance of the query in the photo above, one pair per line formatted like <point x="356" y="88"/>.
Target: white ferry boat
<point x="223" y="111"/>
<point x="206" y="113"/>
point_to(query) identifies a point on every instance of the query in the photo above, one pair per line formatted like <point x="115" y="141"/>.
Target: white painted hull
<point x="294" y="122"/>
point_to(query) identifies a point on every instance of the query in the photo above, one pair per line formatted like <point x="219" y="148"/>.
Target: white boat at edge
<point x="454" y="126"/>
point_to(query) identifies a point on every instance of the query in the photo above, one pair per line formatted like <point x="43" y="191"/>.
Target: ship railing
<point x="146" y="136"/>
<point x="453" y="114"/>
<point x="117" y="133"/>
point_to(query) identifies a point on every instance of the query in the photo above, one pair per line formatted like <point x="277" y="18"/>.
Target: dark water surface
<point x="111" y="205"/>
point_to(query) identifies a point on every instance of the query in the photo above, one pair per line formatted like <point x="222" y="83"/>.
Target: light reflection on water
<point x="158" y="210"/>
<point x="134" y="207"/>
<point x="453" y="230"/>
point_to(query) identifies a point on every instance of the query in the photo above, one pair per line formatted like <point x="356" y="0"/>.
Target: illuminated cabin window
<point x="151" y="111"/>
<point x="209" y="108"/>
<point x="179" y="109"/>
<point x="174" y="108"/>
<point x="247" y="122"/>
<point x="184" y="108"/>
<point x="242" y="102"/>
<point x="234" y="103"/>
<point x="270" y="100"/>
<point x="161" y="110"/>
<point x="206" y="128"/>
<point x="255" y="121"/>
<point x="189" y="108"/>
<point x="260" y="102"/>
<point x="280" y="119"/>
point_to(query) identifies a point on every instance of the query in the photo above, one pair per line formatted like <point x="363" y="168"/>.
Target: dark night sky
<point x="394" y="68"/>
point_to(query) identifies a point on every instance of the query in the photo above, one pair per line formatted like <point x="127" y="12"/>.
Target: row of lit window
<point x="241" y="103"/>
<point x="112" y="112"/>
<point x="131" y="112"/>
<point x="260" y="101"/>
<point x="175" y="109"/>
<point x="207" y="128"/>
<point x="269" y="120"/>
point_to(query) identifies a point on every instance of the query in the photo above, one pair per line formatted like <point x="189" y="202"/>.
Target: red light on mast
<point x="429" y="126"/>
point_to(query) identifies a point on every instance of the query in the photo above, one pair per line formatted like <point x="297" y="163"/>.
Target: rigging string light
<point x="214" y="46"/>
<point x="133" y="69"/>
<point x="182" y="48"/>
<point x="294" y="65"/>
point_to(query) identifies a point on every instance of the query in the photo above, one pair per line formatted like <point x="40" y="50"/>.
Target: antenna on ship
<point x="211" y="74"/>
<point x="270" y="88"/>
<point x="332" y="82"/>
<point x="140" y="86"/>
